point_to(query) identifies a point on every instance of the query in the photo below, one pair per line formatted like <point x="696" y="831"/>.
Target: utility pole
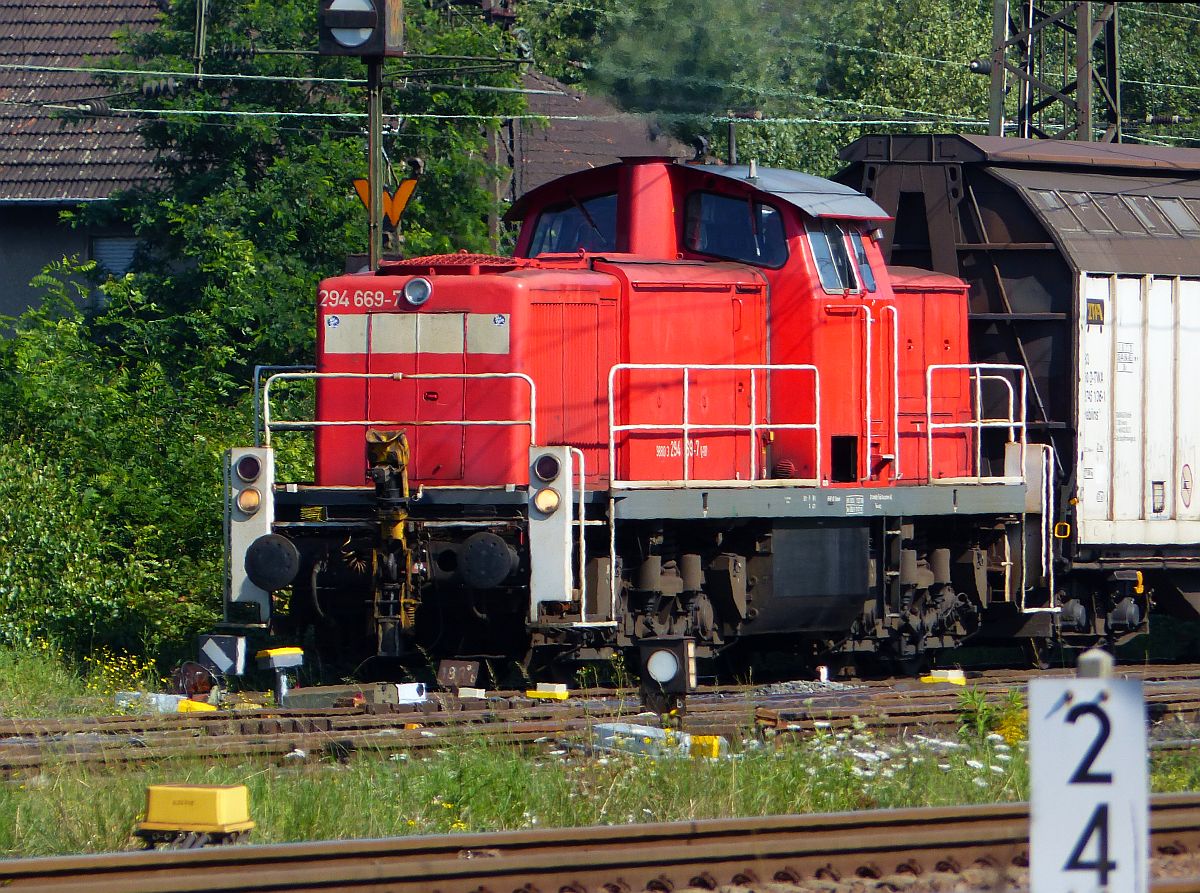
<point x="375" y="160"/>
<point x="201" y="40"/>
<point x="1031" y="37"/>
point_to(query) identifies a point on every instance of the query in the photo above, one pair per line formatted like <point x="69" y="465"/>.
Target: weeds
<point x="981" y="717"/>
<point x="473" y="785"/>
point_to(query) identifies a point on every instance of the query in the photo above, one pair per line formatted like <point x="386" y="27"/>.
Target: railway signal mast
<point x="1031" y="38"/>
<point x="372" y="30"/>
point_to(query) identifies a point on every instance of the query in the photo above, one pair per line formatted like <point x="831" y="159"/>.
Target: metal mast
<point x="1061" y="58"/>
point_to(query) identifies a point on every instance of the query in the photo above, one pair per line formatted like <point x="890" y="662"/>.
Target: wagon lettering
<point x="673" y="449"/>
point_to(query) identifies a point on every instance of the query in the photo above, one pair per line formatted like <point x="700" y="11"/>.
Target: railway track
<point x="1172" y="692"/>
<point x="864" y="846"/>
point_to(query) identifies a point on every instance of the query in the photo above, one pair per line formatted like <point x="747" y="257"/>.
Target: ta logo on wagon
<point x="1095" y="313"/>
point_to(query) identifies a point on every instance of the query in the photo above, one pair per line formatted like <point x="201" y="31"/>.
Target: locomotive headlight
<point x="546" y="500"/>
<point x="248" y="468"/>
<point x="662" y="666"/>
<point x="418" y="291"/>
<point x="249" y="500"/>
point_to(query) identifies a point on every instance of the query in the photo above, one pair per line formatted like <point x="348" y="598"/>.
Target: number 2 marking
<point x="1083" y="772"/>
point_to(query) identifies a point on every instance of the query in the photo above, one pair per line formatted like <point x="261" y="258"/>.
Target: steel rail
<point x="114" y="742"/>
<point x="629" y="857"/>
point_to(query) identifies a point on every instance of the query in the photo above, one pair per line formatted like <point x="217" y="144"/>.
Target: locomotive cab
<point x="694" y="403"/>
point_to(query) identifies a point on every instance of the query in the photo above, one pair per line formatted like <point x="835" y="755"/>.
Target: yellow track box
<point x="215" y="808"/>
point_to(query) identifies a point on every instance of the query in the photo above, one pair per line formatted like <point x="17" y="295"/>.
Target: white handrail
<point x="1047" y="531"/>
<point x="582" y="522"/>
<point x="868" y="322"/>
<point x="269" y="426"/>
<point x="895" y="390"/>
<point x="1014" y="422"/>
<point x="686" y="426"/>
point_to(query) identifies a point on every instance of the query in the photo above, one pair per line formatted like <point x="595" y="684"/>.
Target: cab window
<point x="860" y="258"/>
<point x="572" y="225"/>
<point x="828" y="243"/>
<point x="732" y="228"/>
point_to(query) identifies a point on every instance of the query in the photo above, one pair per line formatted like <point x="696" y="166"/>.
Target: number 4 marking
<point x="1102" y="865"/>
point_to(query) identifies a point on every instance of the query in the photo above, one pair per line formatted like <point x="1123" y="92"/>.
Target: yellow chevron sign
<point x="393" y="202"/>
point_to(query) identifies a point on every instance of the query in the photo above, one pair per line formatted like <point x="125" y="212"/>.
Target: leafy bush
<point x="109" y="499"/>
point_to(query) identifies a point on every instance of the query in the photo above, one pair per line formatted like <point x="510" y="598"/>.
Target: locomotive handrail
<point x="1014" y="422"/>
<point x="269" y="426"/>
<point x="258" y="397"/>
<point x="686" y="426"/>
<point x="1047" y="534"/>
<point x="582" y="542"/>
<point x="895" y="389"/>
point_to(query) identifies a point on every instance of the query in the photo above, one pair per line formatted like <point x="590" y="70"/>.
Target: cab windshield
<point x="590" y="225"/>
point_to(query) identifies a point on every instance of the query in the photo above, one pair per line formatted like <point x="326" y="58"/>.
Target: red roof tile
<point x="47" y="157"/>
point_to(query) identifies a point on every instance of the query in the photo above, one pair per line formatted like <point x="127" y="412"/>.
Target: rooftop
<point x="47" y="158"/>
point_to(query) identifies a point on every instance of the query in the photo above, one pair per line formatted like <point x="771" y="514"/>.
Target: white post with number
<point x="1089" y="786"/>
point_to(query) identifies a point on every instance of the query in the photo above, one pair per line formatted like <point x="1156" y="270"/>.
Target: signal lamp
<point x="668" y="666"/>
<point x="662" y="666"/>
<point x="249" y="500"/>
<point x="546" y="500"/>
<point x="249" y="468"/>
<point x="418" y="291"/>
<point x="547" y="467"/>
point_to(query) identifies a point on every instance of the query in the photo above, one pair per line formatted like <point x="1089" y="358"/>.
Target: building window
<point x="113" y="254"/>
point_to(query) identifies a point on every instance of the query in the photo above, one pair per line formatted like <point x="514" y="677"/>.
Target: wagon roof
<point x="1109" y="208"/>
<point x="1026" y="153"/>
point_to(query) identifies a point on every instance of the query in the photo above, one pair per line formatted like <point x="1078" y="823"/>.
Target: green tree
<point x="803" y="68"/>
<point x="115" y="422"/>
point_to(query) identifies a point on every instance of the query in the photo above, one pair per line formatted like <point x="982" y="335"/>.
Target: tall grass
<point x="35" y="682"/>
<point x="472" y="785"/>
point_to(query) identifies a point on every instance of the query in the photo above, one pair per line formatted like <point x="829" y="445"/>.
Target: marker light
<point x="249" y="500"/>
<point x="248" y="468"/>
<point x="418" y="291"/>
<point x="547" y="467"/>
<point x="663" y="666"/>
<point x="546" y="500"/>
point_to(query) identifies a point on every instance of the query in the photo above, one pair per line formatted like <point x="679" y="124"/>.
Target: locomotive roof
<point x="813" y="195"/>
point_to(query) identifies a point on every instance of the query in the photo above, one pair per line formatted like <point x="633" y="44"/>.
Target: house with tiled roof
<point x="50" y="161"/>
<point x="578" y="130"/>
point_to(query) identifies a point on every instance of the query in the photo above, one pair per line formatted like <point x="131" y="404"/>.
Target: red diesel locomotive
<point x="696" y="403"/>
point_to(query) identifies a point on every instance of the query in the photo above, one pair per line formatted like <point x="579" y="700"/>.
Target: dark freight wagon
<point x="1084" y="266"/>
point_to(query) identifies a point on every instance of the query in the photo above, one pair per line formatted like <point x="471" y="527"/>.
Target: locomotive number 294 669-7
<point x="359" y="297"/>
